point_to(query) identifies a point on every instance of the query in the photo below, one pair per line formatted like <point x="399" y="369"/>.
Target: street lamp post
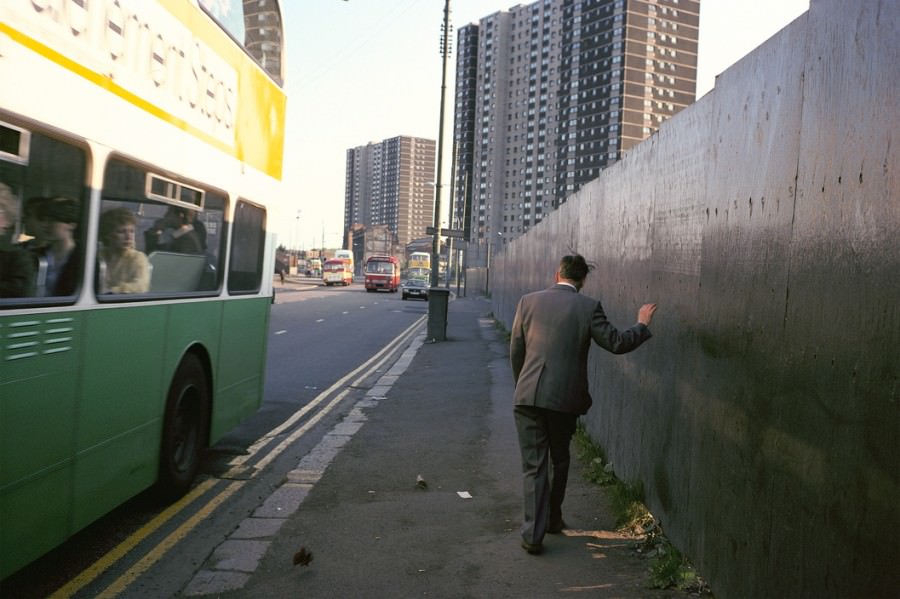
<point x="452" y="213"/>
<point x="438" y="297"/>
<point x="436" y="238"/>
<point x="487" y="270"/>
<point x="294" y="252"/>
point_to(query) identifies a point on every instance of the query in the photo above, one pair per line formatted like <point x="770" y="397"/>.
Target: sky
<point x="359" y="71"/>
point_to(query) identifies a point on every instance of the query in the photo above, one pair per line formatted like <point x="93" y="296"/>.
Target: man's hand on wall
<point x="645" y="314"/>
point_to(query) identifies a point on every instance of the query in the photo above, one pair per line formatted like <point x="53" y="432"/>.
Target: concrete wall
<point x="764" y="416"/>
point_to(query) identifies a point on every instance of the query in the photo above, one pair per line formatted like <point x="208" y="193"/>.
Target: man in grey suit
<point x="548" y="350"/>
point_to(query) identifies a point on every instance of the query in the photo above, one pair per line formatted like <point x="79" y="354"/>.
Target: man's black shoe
<point x="555" y="529"/>
<point x="531" y="548"/>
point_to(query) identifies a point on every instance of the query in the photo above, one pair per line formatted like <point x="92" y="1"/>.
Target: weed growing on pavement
<point x="668" y="567"/>
<point x="500" y="328"/>
<point x="628" y="506"/>
<point x="592" y="456"/>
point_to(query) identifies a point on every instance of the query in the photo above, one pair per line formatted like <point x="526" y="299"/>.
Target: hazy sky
<point x="368" y="70"/>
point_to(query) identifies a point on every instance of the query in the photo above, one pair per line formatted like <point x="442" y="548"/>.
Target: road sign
<point x="454" y="233"/>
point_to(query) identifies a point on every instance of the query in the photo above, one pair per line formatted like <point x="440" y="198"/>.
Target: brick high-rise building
<point x="391" y="183"/>
<point x="549" y="93"/>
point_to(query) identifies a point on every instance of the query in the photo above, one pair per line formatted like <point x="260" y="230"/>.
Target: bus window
<point x="44" y="179"/>
<point x="211" y="220"/>
<point x="183" y="245"/>
<point x="255" y="26"/>
<point x="248" y="248"/>
<point x="17" y="272"/>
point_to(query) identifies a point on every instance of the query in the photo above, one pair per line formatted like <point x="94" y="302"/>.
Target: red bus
<point x="382" y="272"/>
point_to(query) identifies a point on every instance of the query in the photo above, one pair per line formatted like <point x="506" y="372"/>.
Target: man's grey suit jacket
<point x="549" y="345"/>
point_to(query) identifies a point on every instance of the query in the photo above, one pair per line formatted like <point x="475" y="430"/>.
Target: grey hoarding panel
<point x="762" y="418"/>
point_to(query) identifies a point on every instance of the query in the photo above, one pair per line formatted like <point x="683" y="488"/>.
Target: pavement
<point x="293" y="283"/>
<point x="417" y="493"/>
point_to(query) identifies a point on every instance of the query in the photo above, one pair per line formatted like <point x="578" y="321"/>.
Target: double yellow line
<point x="156" y="553"/>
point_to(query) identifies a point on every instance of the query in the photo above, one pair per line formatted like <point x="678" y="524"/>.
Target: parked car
<point x="414" y="288"/>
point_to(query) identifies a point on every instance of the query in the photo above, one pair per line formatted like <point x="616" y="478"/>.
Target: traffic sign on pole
<point x="454" y="233"/>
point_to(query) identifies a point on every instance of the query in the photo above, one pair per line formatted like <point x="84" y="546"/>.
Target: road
<point x="316" y="337"/>
<point x="326" y="346"/>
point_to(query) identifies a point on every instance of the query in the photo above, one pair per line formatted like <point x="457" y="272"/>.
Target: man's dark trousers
<point x="544" y="438"/>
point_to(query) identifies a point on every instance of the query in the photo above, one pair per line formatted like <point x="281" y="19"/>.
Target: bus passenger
<point x="123" y="268"/>
<point x="58" y="258"/>
<point x="17" y="266"/>
<point x="175" y="232"/>
<point x="33" y="235"/>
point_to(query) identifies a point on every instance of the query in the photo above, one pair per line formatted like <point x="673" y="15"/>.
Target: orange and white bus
<point x="336" y="272"/>
<point x="154" y="111"/>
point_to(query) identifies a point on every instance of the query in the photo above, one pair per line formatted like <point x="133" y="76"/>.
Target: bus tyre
<point x="185" y="429"/>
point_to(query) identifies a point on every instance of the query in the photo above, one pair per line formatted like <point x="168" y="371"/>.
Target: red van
<point x="382" y="272"/>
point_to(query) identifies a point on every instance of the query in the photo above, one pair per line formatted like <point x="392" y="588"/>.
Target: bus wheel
<point x="184" y="429"/>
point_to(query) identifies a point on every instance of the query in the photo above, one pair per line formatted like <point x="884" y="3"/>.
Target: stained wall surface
<point x="763" y="418"/>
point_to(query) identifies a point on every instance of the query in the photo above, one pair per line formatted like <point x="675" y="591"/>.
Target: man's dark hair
<point x="34" y="206"/>
<point x="573" y="267"/>
<point x="59" y="209"/>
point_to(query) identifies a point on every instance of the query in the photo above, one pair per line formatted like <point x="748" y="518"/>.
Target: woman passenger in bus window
<point x="17" y="266"/>
<point x="123" y="268"/>
<point x="58" y="259"/>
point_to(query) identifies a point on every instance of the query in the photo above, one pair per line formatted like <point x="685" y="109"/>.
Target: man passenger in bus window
<point x="123" y="269"/>
<point x="17" y="266"/>
<point x="33" y="235"/>
<point x="59" y="266"/>
<point x="174" y="232"/>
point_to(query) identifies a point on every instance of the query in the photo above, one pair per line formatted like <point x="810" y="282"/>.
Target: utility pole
<point x="438" y="297"/>
<point x="436" y="238"/>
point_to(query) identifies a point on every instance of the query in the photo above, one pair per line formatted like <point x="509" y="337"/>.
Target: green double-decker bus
<point x="140" y="152"/>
